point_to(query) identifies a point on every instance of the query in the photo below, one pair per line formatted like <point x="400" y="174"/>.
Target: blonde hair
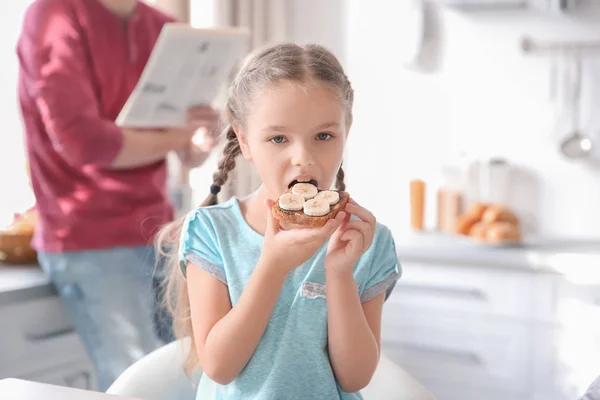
<point x="282" y="62"/>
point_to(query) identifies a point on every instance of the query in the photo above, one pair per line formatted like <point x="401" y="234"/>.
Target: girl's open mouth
<point x="295" y="181"/>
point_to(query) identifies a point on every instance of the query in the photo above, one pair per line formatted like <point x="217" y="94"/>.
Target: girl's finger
<point x="347" y="217"/>
<point x="365" y="230"/>
<point x="272" y="222"/>
<point x="355" y="241"/>
<point x="361" y="226"/>
<point x="322" y="232"/>
<point x="361" y="213"/>
<point x="330" y="227"/>
<point x="342" y="218"/>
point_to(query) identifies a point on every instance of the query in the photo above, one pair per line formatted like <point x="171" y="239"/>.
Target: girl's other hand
<point x="352" y="238"/>
<point x="288" y="249"/>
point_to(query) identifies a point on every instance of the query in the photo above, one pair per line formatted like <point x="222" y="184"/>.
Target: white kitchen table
<point x="17" y="389"/>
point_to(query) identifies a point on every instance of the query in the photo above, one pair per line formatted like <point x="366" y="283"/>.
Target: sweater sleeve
<point x="56" y="73"/>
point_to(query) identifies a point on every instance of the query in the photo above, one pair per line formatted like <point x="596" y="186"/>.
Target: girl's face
<point x="295" y="132"/>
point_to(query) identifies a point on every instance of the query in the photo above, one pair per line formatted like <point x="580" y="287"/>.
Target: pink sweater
<point x="78" y="64"/>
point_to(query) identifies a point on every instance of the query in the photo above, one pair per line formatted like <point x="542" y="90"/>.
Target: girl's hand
<point x="351" y="239"/>
<point x="290" y="249"/>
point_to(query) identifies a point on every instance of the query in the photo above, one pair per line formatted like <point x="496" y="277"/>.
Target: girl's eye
<point x="277" y="140"/>
<point x="324" y="136"/>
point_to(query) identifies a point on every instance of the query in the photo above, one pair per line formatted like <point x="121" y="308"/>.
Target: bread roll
<point x="476" y="210"/>
<point x="499" y="213"/>
<point x="499" y="232"/>
<point x="478" y="231"/>
<point x="464" y="224"/>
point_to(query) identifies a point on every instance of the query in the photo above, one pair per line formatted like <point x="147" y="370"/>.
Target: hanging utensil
<point x="577" y="144"/>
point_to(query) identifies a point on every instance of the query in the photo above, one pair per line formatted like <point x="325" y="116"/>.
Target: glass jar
<point x="452" y="193"/>
<point x="494" y="180"/>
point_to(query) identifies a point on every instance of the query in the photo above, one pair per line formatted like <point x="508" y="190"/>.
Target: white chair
<point x="160" y="376"/>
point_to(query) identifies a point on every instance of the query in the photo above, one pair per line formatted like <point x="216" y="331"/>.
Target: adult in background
<point x="100" y="189"/>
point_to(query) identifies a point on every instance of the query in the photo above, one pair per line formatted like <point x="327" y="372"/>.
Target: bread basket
<point x="15" y="241"/>
<point x="15" y="248"/>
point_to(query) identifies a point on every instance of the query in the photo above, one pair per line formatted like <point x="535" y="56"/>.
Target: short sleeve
<point x="384" y="269"/>
<point x="199" y="244"/>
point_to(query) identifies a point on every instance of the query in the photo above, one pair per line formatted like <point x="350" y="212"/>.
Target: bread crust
<point x="499" y="213"/>
<point x="299" y="218"/>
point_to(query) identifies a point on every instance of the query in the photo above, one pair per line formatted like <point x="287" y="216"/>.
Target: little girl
<point x="277" y="311"/>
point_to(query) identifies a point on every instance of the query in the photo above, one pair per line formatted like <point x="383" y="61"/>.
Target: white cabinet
<point x="448" y="391"/>
<point x="482" y="291"/>
<point x="476" y="352"/>
<point x="38" y="342"/>
<point x="471" y="332"/>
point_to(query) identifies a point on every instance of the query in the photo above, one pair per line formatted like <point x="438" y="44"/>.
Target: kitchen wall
<point x="316" y="21"/>
<point x="474" y="91"/>
<point x="16" y="195"/>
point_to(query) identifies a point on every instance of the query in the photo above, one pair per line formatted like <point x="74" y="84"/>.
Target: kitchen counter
<point x="536" y="255"/>
<point x="23" y="282"/>
<point x="38" y="341"/>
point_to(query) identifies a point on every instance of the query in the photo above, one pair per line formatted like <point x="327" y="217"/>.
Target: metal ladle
<point x="577" y="145"/>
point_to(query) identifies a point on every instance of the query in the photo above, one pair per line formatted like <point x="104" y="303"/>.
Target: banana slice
<point x="330" y="196"/>
<point x="306" y="190"/>
<point x="291" y="202"/>
<point x="316" y="207"/>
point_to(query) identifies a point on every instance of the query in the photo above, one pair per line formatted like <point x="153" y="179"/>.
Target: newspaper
<point x="187" y="67"/>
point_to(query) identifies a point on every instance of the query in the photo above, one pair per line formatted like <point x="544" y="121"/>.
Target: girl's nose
<point x="302" y="157"/>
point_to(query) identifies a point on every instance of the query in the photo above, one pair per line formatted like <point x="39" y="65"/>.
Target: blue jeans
<point x="110" y="296"/>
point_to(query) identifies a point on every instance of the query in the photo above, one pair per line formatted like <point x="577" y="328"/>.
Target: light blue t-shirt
<point x="291" y="360"/>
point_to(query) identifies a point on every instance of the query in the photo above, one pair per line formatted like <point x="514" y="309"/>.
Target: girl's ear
<point x="243" y="143"/>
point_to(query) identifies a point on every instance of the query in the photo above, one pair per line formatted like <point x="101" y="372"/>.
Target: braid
<point x="226" y="165"/>
<point x="340" y="180"/>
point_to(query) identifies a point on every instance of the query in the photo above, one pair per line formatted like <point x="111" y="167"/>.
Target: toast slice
<point x="300" y="218"/>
